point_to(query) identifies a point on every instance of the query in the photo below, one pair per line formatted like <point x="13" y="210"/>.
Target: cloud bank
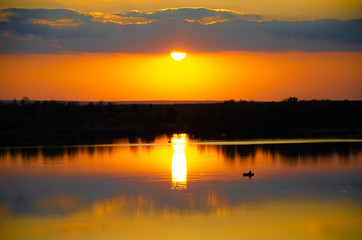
<point x="191" y="29"/>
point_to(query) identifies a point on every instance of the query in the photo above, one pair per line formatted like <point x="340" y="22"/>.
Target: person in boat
<point x="249" y="174"/>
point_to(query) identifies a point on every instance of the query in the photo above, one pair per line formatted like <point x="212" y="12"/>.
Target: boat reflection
<point x="179" y="166"/>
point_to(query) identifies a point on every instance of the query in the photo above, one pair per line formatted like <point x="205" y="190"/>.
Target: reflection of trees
<point x="314" y="152"/>
<point x="231" y="152"/>
<point x="293" y="153"/>
<point x="53" y="153"/>
<point x="143" y="140"/>
<point x="28" y="154"/>
<point x="3" y="152"/>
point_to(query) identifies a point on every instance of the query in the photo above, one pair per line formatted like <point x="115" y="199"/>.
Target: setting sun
<point x="108" y="130"/>
<point x="178" y="56"/>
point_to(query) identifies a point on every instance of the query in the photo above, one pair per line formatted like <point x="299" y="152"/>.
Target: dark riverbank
<point x="51" y="122"/>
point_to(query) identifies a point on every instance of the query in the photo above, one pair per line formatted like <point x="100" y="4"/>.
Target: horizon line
<point x="168" y="102"/>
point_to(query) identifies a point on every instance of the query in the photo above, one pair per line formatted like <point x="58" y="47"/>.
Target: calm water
<point x="153" y="189"/>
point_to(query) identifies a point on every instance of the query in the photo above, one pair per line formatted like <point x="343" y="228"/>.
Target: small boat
<point x="249" y="174"/>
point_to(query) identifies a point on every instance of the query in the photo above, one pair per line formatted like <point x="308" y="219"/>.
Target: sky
<point x="120" y="50"/>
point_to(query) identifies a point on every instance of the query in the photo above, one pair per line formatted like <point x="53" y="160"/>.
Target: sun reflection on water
<point x="179" y="168"/>
<point x="103" y="192"/>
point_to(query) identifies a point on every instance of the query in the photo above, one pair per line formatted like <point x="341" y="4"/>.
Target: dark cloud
<point x="24" y="15"/>
<point x="194" y="29"/>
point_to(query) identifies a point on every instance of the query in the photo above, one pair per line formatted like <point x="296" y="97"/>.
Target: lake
<point x="183" y="189"/>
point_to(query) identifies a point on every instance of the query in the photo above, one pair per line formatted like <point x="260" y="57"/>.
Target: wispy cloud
<point x="119" y="19"/>
<point x="60" y="23"/>
<point x="195" y="29"/>
<point x="201" y="15"/>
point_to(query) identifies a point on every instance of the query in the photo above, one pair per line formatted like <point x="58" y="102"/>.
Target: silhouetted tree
<point x="288" y="118"/>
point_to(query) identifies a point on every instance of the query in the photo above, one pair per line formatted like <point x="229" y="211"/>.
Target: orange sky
<point x="263" y="50"/>
<point x="200" y="76"/>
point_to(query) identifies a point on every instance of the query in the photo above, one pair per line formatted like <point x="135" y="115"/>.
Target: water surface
<point x="186" y="189"/>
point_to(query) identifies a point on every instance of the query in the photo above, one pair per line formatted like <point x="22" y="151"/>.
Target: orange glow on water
<point x="126" y="215"/>
<point x="179" y="164"/>
<point x="204" y="161"/>
<point x="137" y="194"/>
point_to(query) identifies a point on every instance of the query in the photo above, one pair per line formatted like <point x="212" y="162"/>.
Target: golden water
<point x="185" y="189"/>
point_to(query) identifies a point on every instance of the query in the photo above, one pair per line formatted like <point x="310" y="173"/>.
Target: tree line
<point x="230" y="119"/>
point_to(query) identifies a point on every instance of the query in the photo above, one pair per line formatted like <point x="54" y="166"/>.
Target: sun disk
<point x="178" y="56"/>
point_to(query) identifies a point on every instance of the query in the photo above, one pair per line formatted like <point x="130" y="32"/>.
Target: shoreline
<point x="96" y="136"/>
